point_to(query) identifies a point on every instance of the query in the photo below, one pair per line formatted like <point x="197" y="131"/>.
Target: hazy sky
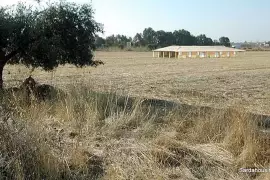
<point x="240" y="20"/>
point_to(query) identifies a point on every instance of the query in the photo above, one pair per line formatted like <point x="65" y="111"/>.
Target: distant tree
<point x="161" y="38"/>
<point x="121" y="46"/>
<point x="58" y="33"/>
<point x="153" y="39"/>
<point x="183" y="37"/>
<point x="117" y="40"/>
<point x="225" y="41"/>
<point x="209" y="42"/>
<point x="165" y="38"/>
<point x="202" y="40"/>
<point x="138" y="40"/>
<point x="170" y="40"/>
<point x="122" y="39"/>
<point x="111" y="40"/>
<point x="216" y="42"/>
<point x="152" y="46"/>
<point x="149" y="36"/>
<point x="99" y="41"/>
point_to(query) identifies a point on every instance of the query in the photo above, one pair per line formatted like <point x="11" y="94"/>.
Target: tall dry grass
<point x="90" y="135"/>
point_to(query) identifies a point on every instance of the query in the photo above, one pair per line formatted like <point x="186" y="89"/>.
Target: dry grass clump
<point x="90" y="135"/>
<point x="25" y="155"/>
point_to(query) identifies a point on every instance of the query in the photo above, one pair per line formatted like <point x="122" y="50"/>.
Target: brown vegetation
<point x="209" y="82"/>
<point x="32" y="89"/>
<point x="95" y="63"/>
<point x="90" y="135"/>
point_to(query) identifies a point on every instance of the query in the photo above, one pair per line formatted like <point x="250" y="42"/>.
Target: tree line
<point x="155" y="39"/>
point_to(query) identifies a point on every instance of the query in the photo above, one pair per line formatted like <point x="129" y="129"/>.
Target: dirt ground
<point x="241" y="81"/>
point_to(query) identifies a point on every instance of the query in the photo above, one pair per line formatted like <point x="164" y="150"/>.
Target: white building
<point x="196" y="51"/>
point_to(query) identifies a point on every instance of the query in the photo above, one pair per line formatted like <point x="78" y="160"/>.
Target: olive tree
<point x="47" y="36"/>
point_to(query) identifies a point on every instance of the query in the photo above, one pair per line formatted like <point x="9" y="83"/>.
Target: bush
<point x="152" y="46"/>
<point x="121" y="46"/>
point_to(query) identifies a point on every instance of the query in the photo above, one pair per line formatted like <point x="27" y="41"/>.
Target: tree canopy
<point x="225" y="41"/>
<point x="117" y="40"/>
<point x="138" y="40"/>
<point x="150" y="36"/>
<point x="49" y="36"/>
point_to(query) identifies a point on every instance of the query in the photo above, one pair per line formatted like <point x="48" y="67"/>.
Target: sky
<point x="241" y="20"/>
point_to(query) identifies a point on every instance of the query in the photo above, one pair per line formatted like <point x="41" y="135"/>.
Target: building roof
<point x="196" y="48"/>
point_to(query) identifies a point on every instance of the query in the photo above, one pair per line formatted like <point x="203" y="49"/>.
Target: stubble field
<point x="241" y="81"/>
<point x="85" y="134"/>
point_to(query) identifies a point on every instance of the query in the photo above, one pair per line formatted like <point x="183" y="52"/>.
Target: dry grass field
<point x="85" y="134"/>
<point x="241" y="81"/>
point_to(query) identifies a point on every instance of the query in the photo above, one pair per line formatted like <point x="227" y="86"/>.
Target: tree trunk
<point x="3" y="60"/>
<point x="2" y="64"/>
<point x="1" y="74"/>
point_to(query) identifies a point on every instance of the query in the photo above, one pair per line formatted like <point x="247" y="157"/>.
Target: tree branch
<point x="2" y="57"/>
<point x="11" y="54"/>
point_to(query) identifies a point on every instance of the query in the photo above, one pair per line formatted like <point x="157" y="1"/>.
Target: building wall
<point x="233" y="54"/>
<point x="223" y="54"/>
<point x="194" y="54"/>
<point x="183" y="54"/>
<point x="209" y="54"/>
